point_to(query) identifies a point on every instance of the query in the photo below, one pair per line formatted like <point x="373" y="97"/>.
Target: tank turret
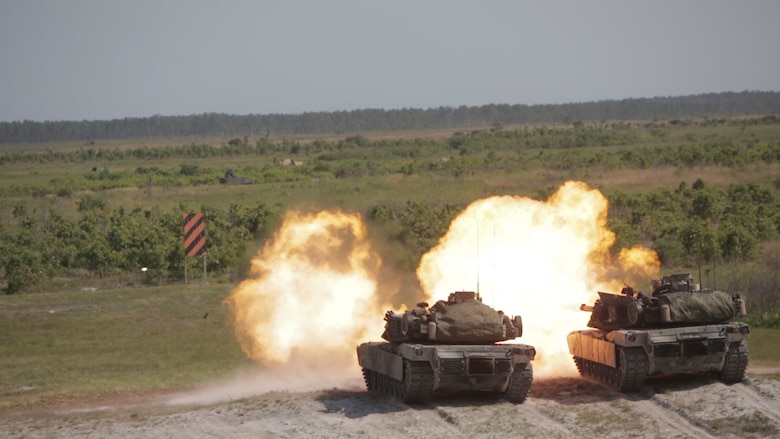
<point x="676" y="301"/>
<point x="462" y="319"/>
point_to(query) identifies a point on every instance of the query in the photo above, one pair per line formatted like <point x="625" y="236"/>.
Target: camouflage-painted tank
<point x="450" y="346"/>
<point x="680" y="328"/>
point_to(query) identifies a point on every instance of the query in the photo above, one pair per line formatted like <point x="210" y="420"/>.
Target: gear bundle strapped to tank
<point x="680" y="328"/>
<point x="450" y="346"/>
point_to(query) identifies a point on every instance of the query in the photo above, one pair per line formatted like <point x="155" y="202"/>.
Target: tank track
<point x="736" y="363"/>
<point x="369" y="377"/>
<point x="520" y="384"/>
<point x="418" y="381"/>
<point x="416" y="386"/>
<point x="627" y="377"/>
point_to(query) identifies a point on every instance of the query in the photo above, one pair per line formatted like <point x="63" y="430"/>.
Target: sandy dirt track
<point x="669" y="407"/>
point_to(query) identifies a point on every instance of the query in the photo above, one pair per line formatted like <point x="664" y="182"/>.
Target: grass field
<point x="81" y="344"/>
<point x="763" y="347"/>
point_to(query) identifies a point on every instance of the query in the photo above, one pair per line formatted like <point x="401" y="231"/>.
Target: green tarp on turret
<point x="469" y="322"/>
<point x="698" y="307"/>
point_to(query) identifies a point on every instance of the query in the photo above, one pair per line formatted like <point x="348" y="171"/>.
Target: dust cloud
<point x="297" y="375"/>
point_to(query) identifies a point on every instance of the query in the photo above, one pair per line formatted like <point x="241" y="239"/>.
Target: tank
<point x="455" y="345"/>
<point x="679" y="328"/>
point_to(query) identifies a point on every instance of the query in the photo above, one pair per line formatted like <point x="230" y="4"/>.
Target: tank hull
<point x="625" y="357"/>
<point x="412" y="371"/>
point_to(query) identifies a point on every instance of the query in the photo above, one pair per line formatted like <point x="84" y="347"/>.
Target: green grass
<point x="763" y="344"/>
<point x="77" y="345"/>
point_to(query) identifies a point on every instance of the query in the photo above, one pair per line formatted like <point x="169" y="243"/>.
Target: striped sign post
<point x="194" y="240"/>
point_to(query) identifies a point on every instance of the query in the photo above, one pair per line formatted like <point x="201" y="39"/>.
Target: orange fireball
<point x="312" y="292"/>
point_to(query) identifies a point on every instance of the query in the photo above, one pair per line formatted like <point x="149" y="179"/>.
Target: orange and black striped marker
<point x="194" y="234"/>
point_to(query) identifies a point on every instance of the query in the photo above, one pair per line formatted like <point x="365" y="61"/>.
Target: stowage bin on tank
<point x="450" y="346"/>
<point x="680" y="328"/>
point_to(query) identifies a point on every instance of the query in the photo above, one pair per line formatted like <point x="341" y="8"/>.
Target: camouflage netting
<point x="697" y="307"/>
<point x="469" y="322"/>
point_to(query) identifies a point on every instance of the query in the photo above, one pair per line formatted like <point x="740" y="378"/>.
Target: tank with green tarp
<point x="678" y="328"/>
<point x="455" y="345"/>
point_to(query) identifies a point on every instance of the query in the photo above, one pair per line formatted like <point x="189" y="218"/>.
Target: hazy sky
<point x="108" y="59"/>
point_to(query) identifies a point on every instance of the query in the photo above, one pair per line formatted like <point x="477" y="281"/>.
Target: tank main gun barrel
<point x="586" y="308"/>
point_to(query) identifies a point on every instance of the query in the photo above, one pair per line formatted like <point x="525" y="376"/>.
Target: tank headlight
<point x="630" y="337"/>
<point x="418" y="351"/>
<point x="744" y="330"/>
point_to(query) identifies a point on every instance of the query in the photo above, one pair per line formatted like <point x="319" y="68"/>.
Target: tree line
<point x="711" y="105"/>
<point x="693" y="225"/>
<point x="105" y="241"/>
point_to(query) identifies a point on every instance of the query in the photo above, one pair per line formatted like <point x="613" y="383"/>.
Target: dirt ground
<point x="667" y="407"/>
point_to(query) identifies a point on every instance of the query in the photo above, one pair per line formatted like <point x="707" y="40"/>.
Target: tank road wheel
<point x="632" y="369"/>
<point x="418" y="381"/>
<point x="735" y="364"/>
<point x="519" y="383"/>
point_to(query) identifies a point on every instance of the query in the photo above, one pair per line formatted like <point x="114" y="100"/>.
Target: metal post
<point x="204" y="268"/>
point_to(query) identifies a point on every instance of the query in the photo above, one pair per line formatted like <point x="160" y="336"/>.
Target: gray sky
<point x="109" y="59"/>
